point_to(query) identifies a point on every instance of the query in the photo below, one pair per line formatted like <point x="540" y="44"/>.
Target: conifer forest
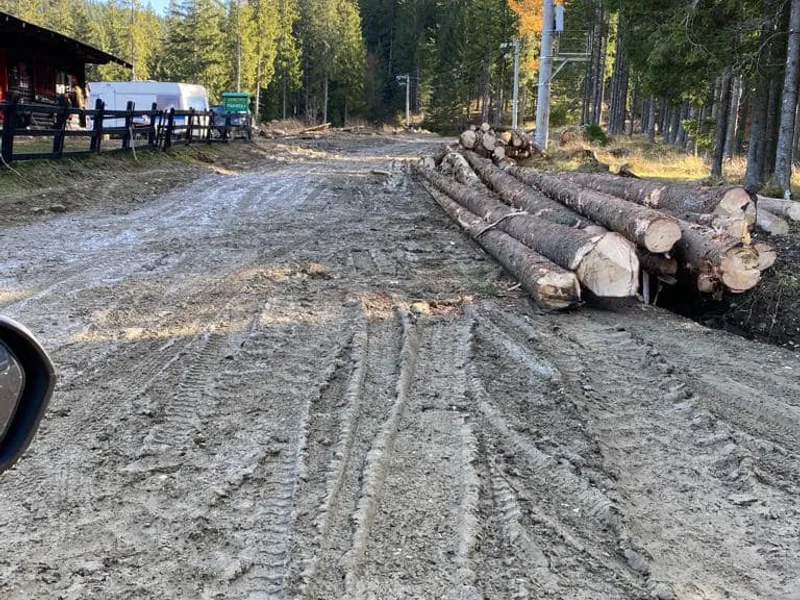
<point x="718" y="76"/>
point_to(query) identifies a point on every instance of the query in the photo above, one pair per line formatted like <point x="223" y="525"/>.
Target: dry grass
<point x="290" y="126"/>
<point x="652" y="161"/>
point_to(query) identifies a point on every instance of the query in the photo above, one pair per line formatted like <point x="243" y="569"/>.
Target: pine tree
<point x="60" y="17"/>
<point x="288" y="69"/>
<point x="349" y="57"/>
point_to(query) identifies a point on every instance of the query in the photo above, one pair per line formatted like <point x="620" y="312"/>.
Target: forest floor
<point x="294" y="377"/>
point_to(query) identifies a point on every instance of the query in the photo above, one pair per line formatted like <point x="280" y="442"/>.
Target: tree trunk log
<point x="735" y="227"/>
<point x="658" y="264"/>
<point x="605" y="263"/>
<point x="468" y="139"/>
<point x="782" y="208"/>
<point x="455" y="164"/>
<point x="772" y="224"/>
<point x="715" y="257"/>
<point x="550" y="286"/>
<point x="524" y="198"/>
<point x="673" y="198"/>
<point x="653" y="230"/>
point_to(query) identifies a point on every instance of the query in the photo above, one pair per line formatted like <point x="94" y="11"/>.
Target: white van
<point x="166" y="95"/>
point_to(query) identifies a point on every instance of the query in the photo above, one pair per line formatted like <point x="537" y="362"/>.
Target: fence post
<point x="189" y="126"/>
<point x="62" y="116"/>
<point x="9" y="123"/>
<point x="97" y="126"/>
<point x="151" y="135"/>
<point x="170" y="127"/>
<point x="249" y="124"/>
<point x="209" y="125"/>
<point x="127" y="137"/>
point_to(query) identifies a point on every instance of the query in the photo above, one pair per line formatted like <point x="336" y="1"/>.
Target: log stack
<point x="605" y="230"/>
<point x="500" y="146"/>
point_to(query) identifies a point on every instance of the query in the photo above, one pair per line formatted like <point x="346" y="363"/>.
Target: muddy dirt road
<point x="302" y="382"/>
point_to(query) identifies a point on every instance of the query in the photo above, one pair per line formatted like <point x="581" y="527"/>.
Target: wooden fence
<point x="26" y="126"/>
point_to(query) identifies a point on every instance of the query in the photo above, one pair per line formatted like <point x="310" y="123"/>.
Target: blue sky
<point x="159" y="5"/>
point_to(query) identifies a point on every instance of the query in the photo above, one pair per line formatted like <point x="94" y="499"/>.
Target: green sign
<point x="236" y="102"/>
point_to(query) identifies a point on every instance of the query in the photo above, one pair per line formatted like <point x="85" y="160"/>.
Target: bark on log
<point x="782" y="208"/>
<point x="440" y="152"/>
<point x="653" y="230"/>
<point x="550" y="286"/>
<point x="717" y="257"/>
<point x="772" y="224"/>
<point x="523" y="197"/>
<point x="659" y="264"/>
<point x="735" y="227"/>
<point x="428" y="162"/>
<point x="605" y="263"/>
<point x="455" y="164"/>
<point x="673" y="198"/>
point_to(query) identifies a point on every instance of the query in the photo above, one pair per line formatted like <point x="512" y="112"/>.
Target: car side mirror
<point x="27" y="378"/>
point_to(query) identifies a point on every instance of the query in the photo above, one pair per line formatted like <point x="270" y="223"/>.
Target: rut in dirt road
<point x="304" y="382"/>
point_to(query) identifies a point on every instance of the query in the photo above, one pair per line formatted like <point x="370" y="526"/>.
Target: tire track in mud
<point x="336" y="471"/>
<point x="379" y="456"/>
<point x="577" y="527"/>
<point x="654" y="423"/>
<point x="424" y="523"/>
<point x="151" y="390"/>
<point x="282" y="485"/>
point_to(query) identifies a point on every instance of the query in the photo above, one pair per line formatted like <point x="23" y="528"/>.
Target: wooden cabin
<point x="40" y="65"/>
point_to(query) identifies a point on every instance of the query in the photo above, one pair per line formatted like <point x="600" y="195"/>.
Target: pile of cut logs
<point x="559" y="234"/>
<point x="499" y="145"/>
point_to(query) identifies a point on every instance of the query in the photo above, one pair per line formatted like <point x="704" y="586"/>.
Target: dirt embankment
<point x="32" y="191"/>
<point x="302" y="381"/>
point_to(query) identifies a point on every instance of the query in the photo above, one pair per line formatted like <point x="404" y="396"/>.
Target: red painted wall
<point x="3" y="74"/>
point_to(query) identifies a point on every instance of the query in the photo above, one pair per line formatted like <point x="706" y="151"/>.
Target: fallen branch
<point x="321" y="127"/>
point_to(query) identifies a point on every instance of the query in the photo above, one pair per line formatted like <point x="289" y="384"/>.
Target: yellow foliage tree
<point x="529" y="13"/>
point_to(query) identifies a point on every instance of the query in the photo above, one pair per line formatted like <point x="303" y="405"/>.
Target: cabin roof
<point x="14" y="31"/>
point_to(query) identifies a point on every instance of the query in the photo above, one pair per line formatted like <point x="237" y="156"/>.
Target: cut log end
<point x="662" y="235"/>
<point x="611" y="268"/>
<point x="766" y="255"/>
<point x="739" y="269"/>
<point x="468" y="139"/>
<point x="557" y="290"/>
<point x="736" y="202"/>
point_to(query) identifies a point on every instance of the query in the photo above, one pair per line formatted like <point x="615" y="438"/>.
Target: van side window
<point x="197" y="102"/>
<point x="166" y="102"/>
